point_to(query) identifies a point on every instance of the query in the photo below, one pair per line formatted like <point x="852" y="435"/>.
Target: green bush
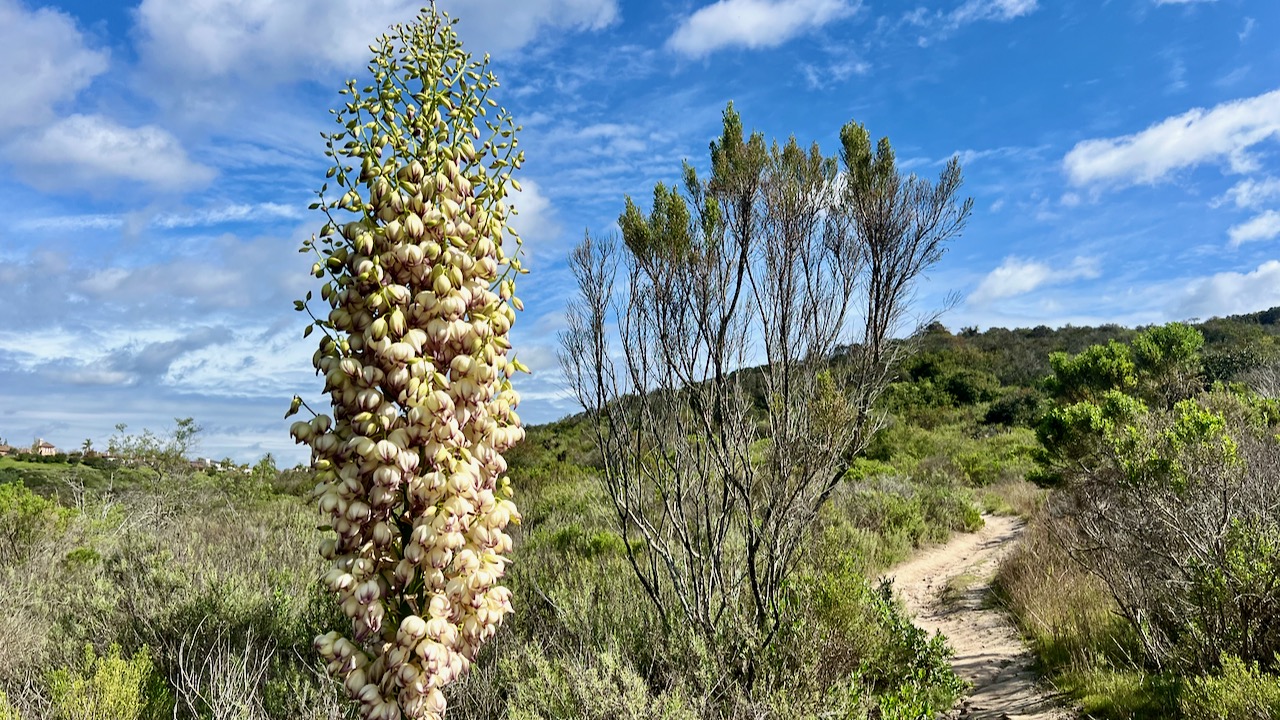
<point x="857" y="636"/>
<point x="25" y="519"/>
<point x="1017" y="406"/>
<point x="103" y="688"/>
<point x="7" y="710"/>
<point x="1239" y="691"/>
<point x="603" y="687"/>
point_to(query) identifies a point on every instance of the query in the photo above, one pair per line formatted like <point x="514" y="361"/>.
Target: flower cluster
<point x="415" y="358"/>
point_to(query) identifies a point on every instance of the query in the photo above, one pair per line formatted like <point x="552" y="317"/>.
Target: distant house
<point x="46" y="449"/>
<point x="5" y="450"/>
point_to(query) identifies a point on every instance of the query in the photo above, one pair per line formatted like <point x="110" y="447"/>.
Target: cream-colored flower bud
<point x="396" y="658"/>
<point x="337" y="580"/>
<point x="414" y="627"/>
<point x="329" y="502"/>
<point x="358" y="512"/>
<point x="386" y="451"/>
<point x="400" y="352"/>
<point x="407" y="675"/>
<point x="415" y="554"/>
<point x="442" y="631"/>
<point x="326" y="444"/>
<point x="355" y="682"/>
<point x="438" y="557"/>
<point x="374" y="614"/>
<point x="324" y="644"/>
<point x="369" y="399"/>
<point x="369" y="694"/>
<point x="435" y="702"/>
<point x="344" y="649"/>
<point x="414" y="227"/>
<point x="415" y="705"/>
<point x="301" y="431"/>
<point x="396" y="323"/>
<point x="328" y="548"/>
<point x="368" y="592"/>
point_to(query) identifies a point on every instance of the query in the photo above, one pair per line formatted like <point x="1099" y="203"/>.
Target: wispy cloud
<point x="938" y="24"/>
<point x="753" y="23"/>
<point x="260" y="40"/>
<point x="1228" y="293"/>
<point x="233" y="213"/>
<point x="84" y="150"/>
<point x="1261" y="227"/>
<point x="1008" y="152"/>
<point x="1251" y="192"/>
<point x="1019" y="277"/>
<point x="1247" y="30"/>
<point x="1177" y="76"/>
<point x="1226" y="132"/>
<point x="45" y="61"/>
<point x="823" y="76"/>
<point x="998" y="10"/>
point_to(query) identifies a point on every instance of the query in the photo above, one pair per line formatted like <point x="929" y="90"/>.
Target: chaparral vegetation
<point x="768" y="425"/>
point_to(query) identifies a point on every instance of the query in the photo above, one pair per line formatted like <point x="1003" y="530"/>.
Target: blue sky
<point x="156" y="159"/>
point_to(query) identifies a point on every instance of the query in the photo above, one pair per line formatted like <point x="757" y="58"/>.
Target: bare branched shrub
<point x="222" y="677"/>
<point x="720" y="471"/>
<point x="1265" y="380"/>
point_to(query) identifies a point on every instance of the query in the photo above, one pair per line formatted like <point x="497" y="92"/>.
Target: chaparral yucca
<point x="419" y="263"/>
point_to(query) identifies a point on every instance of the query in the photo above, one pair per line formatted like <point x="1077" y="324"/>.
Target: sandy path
<point x="989" y="653"/>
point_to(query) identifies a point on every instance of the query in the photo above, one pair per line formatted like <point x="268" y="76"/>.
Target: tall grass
<point x="1090" y="652"/>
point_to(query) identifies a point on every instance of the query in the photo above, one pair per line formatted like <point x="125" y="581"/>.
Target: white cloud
<point x="998" y="10"/>
<point x="753" y="23"/>
<point x="1231" y="293"/>
<point x="536" y="223"/>
<point x="1251" y="193"/>
<point x="1225" y="132"/>
<point x="44" y="60"/>
<point x="969" y="156"/>
<point x="939" y="24"/>
<point x="1247" y="30"/>
<point x="1262" y="227"/>
<point x="275" y="42"/>
<point x="1018" y="277"/>
<point x="819" y="77"/>
<point x="88" y="149"/>
<point x="237" y="212"/>
<point x="1181" y="2"/>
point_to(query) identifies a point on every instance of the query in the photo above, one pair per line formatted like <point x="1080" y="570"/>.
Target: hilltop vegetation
<point x="196" y="593"/>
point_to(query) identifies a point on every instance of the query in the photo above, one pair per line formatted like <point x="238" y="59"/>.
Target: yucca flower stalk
<point x="419" y="264"/>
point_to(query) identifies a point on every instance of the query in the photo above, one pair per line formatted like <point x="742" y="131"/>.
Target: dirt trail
<point x="989" y="653"/>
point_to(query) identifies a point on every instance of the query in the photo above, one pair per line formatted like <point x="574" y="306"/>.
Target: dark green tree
<point x="1170" y="493"/>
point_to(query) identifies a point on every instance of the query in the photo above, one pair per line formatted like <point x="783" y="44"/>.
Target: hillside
<point x="198" y="592"/>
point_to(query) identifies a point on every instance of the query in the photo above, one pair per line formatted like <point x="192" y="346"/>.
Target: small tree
<point x="414" y="355"/>
<point x="721" y="471"/>
<point x="165" y="456"/>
